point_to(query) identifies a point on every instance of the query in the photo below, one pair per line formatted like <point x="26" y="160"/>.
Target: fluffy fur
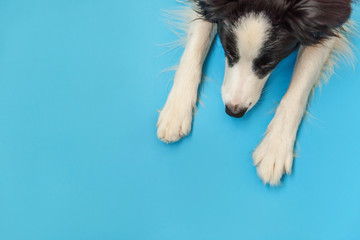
<point x="256" y="35"/>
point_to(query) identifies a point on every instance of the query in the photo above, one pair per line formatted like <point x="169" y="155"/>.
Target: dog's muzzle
<point x="235" y="111"/>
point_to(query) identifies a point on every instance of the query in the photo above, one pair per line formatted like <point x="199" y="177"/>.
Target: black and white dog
<point x="256" y="35"/>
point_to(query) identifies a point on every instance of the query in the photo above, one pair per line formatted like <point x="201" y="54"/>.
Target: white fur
<point x="342" y="50"/>
<point x="241" y="85"/>
<point x="176" y="117"/>
<point x="275" y="154"/>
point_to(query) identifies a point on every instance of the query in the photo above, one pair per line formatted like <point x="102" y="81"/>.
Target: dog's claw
<point x="174" y="121"/>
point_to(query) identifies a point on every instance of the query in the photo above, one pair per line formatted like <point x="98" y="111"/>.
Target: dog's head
<point x="257" y="34"/>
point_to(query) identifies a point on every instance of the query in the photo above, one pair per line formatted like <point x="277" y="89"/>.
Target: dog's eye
<point x="227" y="53"/>
<point x="268" y="65"/>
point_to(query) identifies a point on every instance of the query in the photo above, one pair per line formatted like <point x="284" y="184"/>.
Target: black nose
<point x="235" y="111"/>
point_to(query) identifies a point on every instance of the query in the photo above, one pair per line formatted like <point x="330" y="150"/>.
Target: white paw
<point x="175" y="120"/>
<point x="274" y="155"/>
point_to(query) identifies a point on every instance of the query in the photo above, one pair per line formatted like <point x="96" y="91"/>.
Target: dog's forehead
<point x="251" y="32"/>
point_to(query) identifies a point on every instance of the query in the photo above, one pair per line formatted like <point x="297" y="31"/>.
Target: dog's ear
<point x="216" y="10"/>
<point x="312" y="21"/>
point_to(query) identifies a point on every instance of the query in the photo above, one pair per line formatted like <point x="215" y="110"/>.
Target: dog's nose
<point x="235" y="110"/>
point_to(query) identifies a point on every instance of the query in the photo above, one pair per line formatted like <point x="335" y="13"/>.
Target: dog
<point x="256" y="35"/>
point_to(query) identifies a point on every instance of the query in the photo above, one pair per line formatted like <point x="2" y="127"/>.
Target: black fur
<point x="294" y="22"/>
<point x="310" y="21"/>
<point x="229" y="43"/>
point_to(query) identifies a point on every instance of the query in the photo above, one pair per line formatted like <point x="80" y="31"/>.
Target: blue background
<point x="80" y="86"/>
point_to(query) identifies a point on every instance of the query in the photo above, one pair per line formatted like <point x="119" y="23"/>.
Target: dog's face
<point x="253" y="47"/>
<point x="256" y="35"/>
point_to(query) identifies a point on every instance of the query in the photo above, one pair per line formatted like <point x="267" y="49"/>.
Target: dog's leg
<point x="275" y="154"/>
<point x="176" y="117"/>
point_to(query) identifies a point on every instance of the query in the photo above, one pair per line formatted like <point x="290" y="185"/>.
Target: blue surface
<point x="80" y="86"/>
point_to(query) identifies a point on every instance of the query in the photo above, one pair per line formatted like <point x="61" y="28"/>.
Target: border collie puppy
<point x="256" y="35"/>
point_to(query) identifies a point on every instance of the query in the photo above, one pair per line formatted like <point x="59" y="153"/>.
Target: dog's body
<point x="256" y="36"/>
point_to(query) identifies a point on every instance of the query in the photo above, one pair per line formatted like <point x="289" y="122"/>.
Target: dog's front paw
<point x="174" y="121"/>
<point x="274" y="156"/>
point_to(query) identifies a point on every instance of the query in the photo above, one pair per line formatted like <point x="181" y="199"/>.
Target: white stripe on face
<point x="242" y="87"/>
<point x="251" y="32"/>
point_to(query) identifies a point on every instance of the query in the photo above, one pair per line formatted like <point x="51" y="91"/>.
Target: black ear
<point x="312" y="21"/>
<point x="216" y="10"/>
